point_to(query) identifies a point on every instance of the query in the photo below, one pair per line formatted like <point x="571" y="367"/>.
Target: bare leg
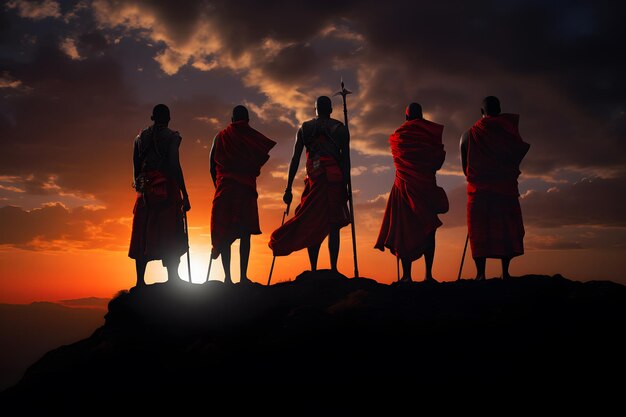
<point x="505" y="268"/>
<point x="140" y="267"/>
<point x="244" y="256"/>
<point x="225" y="254"/>
<point x="172" y="270"/>
<point x="429" y="257"/>
<point x="406" y="270"/>
<point x="480" y="268"/>
<point x="333" y="248"/>
<point x="314" y="252"/>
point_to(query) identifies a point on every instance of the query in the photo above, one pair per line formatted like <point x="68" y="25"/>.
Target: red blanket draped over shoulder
<point x="415" y="199"/>
<point x="240" y="152"/>
<point x="495" y="150"/>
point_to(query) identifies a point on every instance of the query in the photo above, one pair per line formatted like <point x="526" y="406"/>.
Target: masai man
<point x="236" y="158"/>
<point x="491" y="152"/>
<point x="323" y="207"/>
<point x="158" y="232"/>
<point x="410" y="219"/>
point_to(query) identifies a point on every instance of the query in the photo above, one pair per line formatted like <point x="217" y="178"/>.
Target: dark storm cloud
<point x="69" y="118"/>
<point x="589" y="202"/>
<point x="292" y="63"/>
<point x="560" y="73"/>
<point x="556" y="63"/>
<point x="594" y="201"/>
<point x="6" y="27"/>
<point x="92" y="43"/>
<point x="244" y="23"/>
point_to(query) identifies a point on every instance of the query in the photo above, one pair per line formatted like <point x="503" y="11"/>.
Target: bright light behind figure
<point x="199" y="266"/>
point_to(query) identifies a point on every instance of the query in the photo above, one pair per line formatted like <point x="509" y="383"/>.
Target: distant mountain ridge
<point x="171" y="343"/>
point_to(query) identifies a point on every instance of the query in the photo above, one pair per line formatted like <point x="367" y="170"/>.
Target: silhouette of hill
<point x="27" y="331"/>
<point x="180" y="344"/>
<point x="87" y="302"/>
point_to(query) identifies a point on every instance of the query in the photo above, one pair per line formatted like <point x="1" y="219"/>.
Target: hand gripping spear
<point x="343" y="93"/>
<point x="285" y="213"/>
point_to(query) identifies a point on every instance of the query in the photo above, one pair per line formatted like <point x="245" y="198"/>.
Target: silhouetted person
<point x="410" y="220"/>
<point x="491" y="152"/>
<point x="323" y="207"/>
<point x="158" y="232"/>
<point x="237" y="155"/>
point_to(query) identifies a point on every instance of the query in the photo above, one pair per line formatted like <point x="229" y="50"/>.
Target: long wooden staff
<point x="463" y="257"/>
<point x="187" y="236"/>
<point x="285" y="213"/>
<point x="343" y="93"/>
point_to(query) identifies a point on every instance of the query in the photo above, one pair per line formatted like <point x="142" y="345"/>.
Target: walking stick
<point x="285" y="213"/>
<point x="463" y="258"/>
<point x="208" y="274"/>
<point x="187" y="235"/>
<point x="343" y="93"/>
<point x="398" y="267"/>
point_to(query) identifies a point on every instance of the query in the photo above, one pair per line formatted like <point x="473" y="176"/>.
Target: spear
<point x="398" y="267"/>
<point x="187" y="236"/>
<point x="463" y="257"/>
<point x="343" y="93"/>
<point x="285" y="213"/>
<point x="208" y="273"/>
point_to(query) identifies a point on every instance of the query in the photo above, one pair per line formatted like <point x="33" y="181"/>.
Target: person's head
<point x="491" y="106"/>
<point x="160" y="114"/>
<point x="240" y="113"/>
<point x="413" y="111"/>
<point x="323" y="106"/>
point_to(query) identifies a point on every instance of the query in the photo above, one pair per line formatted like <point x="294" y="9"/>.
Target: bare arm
<point x="293" y="167"/>
<point x="463" y="151"/>
<point x="212" y="167"/>
<point x="295" y="159"/>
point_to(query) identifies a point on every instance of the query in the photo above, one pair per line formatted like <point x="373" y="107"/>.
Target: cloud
<point x="46" y="187"/>
<point x="6" y="81"/>
<point x="86" y="100"/>
<point x="590" y="201"/>
<point x="550" y="242"/>
<point x="12" y="188"/>
<point x="358" y="170"/>
<point x="36" y="10"/>
<point x="68" y="45"/>
<point x="54" y="226"/>
<point x="377" y="169"/>
<point x="212" y="121"/>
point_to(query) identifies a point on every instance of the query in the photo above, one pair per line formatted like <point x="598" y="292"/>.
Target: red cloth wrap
<point x="323" y="206"/>
<point x="240" y="152"/>
<point x="158" y="231"/>
<point x="410" y="216"/>
<point x="495" y="150"/>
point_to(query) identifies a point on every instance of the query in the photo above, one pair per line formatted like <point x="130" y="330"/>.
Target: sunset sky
<point x="78" y="80"/>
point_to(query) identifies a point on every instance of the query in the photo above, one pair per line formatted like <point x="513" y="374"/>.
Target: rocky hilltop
<point x="325" y="329"/>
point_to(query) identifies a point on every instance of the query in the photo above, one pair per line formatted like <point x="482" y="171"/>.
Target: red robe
<point x="322" y="208"/>
<point x="415" y="199"/>
<point x="240" y="152"/>
<point x="495" y="150"/>
<point x="158" y="231"/>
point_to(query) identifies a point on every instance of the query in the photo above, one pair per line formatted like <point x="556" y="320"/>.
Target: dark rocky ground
<point x="326" y="330"/>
